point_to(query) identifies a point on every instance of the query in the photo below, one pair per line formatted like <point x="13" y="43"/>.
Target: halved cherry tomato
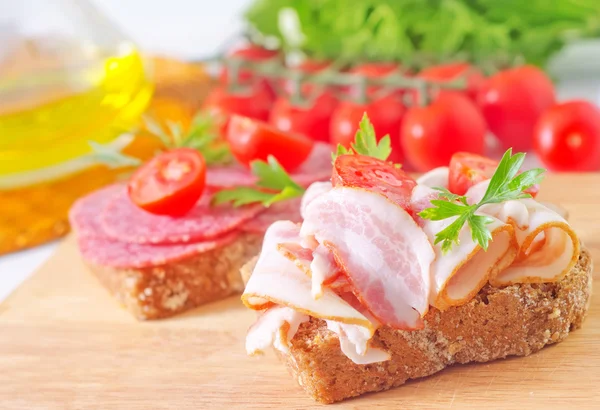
<point x="221" y="104"/>
<point x="512" y="102"/>
<point x="447" y="72"/>
<point x="362" y="171"/>
<point x="567" y="137"/>
<point x="252" y="139"/>
<point x="431" y="135"/>
<point x="169" y="184"/>
<point x="467" y="169"/>
<point x="386" y="115"/>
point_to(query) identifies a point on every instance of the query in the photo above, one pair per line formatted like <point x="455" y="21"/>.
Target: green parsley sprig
<point x="202" y="135"/>
<point x="505" y="185"/>
<point x="273" y="185"/>
<point x="365" y="142"/>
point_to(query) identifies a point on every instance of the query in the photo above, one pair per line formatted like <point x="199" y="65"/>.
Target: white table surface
<point x="188" y="29"/>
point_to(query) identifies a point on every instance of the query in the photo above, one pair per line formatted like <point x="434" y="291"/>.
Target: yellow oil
<point x="49" y="114"/>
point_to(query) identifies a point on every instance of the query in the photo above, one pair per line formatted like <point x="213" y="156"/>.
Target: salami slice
<point x="317" y="167"/>
<point x="123" y="221"/>
<point x="280" y="211"/>
<point x="84" y="214"/>
<point x="104" y="251"/>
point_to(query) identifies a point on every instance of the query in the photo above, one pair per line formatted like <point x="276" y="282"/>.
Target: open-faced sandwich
<point x="162" y="243"/>
<point x="389" y="278"/>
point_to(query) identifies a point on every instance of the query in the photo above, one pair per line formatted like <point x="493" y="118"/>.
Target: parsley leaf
<point x="202" y="135"/>
<point x="365" y="142"/>
<point x="505" y="185"/>
<point x="112" y="156"/>
<point x="274" y="184"/>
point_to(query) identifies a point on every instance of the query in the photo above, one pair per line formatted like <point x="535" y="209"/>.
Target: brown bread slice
<point x="165" y="290"/>
<point x="499" y="322"/>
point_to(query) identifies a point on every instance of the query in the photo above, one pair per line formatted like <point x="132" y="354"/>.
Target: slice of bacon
<point x="318" y="264"/>
<point x="437" y="177"/>
<point x="354" y="343"/>
<point x="548" y="246"/>
<point x="275" y="327"/>
<point x="276" y="280"/>
<point x="458" y="275"/>
<point x="383" y="252"/>
<point x="312" y="192"/>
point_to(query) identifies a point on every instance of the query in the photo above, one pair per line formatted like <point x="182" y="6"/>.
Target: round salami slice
<point x="123" y="221"/>
<point x="85" y="212"/>
<point x="104" y="251"/>
<point x="280" y="211"/>
<point x="317" y="167"/>
<point x="229" y="177"/>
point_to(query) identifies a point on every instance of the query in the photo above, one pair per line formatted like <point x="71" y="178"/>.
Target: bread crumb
<point x="555" y="313"/>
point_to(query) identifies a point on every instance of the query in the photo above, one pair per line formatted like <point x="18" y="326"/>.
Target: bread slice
<point x="499" y="322"/>
<point x="165" y="290"/>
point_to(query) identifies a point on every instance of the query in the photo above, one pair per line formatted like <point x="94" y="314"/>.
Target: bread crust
<point x="516" y="320"/>
<point x="165" y="290"/>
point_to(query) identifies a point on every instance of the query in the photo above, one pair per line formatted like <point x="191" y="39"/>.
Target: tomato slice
<point x="169" y="184"/>
<point x="250" y="140"/>
<point x="370" y="173"/>
<point x="468" y="169"/>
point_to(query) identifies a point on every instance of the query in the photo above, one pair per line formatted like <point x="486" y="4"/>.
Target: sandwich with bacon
<point x="389" y="278"/>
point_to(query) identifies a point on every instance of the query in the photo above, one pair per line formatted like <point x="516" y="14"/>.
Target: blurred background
<point x="77" y="76"/>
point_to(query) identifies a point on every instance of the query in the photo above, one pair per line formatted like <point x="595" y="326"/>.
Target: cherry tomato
<point x="375" y="175"/>
<point x="512" y="102"/>
<point x="386" y="115"/>
<point x="252" y="139"/>
<point x="252" y="53"/>
<point x="448" y="72"/>
<point x="467" y="169"/>
<point x="567" y="137"/>
<point x="221" y="104"/>
<point x="431" y="135"/>
<point x="311" y="121"/>
<point x="374" y="70"/>
<point x="169" y="184"/>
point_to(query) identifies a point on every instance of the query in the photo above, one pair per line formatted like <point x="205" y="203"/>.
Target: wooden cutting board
<point x="66" y="344"/>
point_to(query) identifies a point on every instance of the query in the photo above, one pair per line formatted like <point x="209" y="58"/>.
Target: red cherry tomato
<point x="252" y="53"/>
<point x="221" y="104"/>
<point x="467" y="169"/>
<point x="375" y="175"/>
<point x="311" y="120"/>
<point x="448" y="72"/>
<point x="374" y="70"/>
<point x="386" y="115"/>
<point x="431" y="135"/>
<point x="512" y="102"/>
<point x="567" y="137"/>
<point x="252" y="139"/>
<point x="169" y="184"/>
